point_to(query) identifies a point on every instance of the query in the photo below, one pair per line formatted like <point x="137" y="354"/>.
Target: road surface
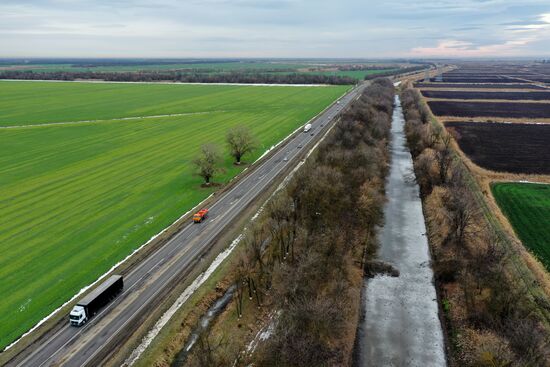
<point x="151" y="279"/>
<point x="401" y="326"/>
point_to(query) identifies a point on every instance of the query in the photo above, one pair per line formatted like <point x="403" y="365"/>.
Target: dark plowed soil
<point x="490" y="109"/>
<point x="515" y="148"/>
<point x="484" y="86"/>
<point x="511" y="96"/>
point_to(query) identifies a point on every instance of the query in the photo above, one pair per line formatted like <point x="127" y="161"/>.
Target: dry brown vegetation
<point x="496" y="313"/>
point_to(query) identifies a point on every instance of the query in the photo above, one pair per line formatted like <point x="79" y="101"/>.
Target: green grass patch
<point x="78" y="198"/>
<point x="527" y="207"/>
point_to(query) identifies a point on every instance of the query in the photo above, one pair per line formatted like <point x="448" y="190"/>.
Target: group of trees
<point x="240" y="141"/>
<point x="491" y="316"/>
<point x="265" y="76"/>
<point x="183" y="77"/>
<point x="303" y="256"/>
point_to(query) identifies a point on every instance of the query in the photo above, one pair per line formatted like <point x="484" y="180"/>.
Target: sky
<point x="275" y="28"/>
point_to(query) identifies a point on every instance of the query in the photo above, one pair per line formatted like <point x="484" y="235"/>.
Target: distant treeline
<point x="198" y="77"/>
<point x="113" y="62"/>
<point x="175" y="76"/>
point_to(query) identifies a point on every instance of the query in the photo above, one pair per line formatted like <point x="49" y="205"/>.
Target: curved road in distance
<point x="151" y="279"/>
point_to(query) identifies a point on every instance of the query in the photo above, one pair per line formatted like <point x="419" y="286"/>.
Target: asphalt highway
<point x="152" y="278"/>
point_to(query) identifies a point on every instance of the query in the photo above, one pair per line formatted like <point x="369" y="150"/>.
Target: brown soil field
<point x="510" y="96"/>
<point x="490" y="109"/>
<point x="514" y="148"/>
<point x="479" y="86"/>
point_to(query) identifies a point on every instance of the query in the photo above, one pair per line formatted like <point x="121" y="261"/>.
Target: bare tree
<point x="426" y="171"/>
<point x="207" y="162"/>
<point x="444" y="158"/>
<point x="240" y="141"/>
<point x="461" y="208"/>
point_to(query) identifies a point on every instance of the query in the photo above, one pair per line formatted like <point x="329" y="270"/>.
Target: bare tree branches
<point x="240" y="142"/>
<point x="207" y="162"/>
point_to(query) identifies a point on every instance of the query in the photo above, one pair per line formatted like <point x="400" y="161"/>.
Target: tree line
<point x="274" y="76"/>
<point x="490" y="315"/>
<point x="303" y="257"/>
<point x="182" y="77"/>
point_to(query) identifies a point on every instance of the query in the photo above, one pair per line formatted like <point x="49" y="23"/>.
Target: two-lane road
<point x="154" y="276"/>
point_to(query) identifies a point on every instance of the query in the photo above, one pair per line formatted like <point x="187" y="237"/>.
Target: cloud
<point x="456" y="48"/>
<point x="273" y="28"/>
<point x="516" y="37"/>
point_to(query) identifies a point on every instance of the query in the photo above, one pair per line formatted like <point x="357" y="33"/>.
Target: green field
<point x="527" y="207"/>
<point x="77" y="198"/>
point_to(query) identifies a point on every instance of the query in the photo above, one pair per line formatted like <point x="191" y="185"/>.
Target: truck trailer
<point x="95" y="300"/>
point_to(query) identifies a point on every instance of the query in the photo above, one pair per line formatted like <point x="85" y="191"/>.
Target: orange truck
<point x="200" y="215"/>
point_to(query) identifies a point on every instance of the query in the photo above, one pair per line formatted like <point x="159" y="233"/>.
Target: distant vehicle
<point x="337" y="102"/>
<point x="200" y="215"/>
<point x="307" y="128"/>
<point x="312" y="134"/>
<point x="99" y="297"/>
<point x="299" y="146"/>
<point x="285" y="159"/>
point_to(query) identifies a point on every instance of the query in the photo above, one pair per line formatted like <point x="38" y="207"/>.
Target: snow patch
<point x="25" y="304"/>
<point x="264" y="333"/>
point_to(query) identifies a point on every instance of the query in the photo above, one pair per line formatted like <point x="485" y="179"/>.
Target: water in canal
<point x="401" y="326"/>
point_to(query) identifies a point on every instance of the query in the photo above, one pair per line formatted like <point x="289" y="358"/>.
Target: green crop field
<point x="527" y="207"/>
<point x="77" y="198"/>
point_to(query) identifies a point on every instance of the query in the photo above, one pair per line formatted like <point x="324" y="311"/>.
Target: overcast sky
<point x="274" y="28"/>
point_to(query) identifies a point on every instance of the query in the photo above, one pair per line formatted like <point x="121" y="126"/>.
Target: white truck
<point x="307" y="128"/>
<point x="96" y="299"/>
